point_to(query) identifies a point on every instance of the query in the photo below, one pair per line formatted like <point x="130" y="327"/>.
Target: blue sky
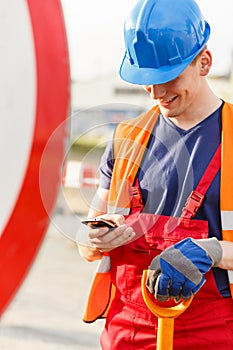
<point x="95" y="34"/>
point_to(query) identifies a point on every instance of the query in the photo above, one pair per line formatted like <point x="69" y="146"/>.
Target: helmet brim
<point x="152" y="76"/>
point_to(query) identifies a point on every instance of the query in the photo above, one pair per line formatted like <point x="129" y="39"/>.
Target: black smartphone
<point x="98" y="222"/>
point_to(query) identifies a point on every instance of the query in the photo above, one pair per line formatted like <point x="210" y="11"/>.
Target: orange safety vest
<point x="130" y="142"/>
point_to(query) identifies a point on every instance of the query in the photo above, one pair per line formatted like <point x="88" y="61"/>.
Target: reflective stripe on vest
<point x="227" y="234"/>
<point x="227" y="220"/>
<point x="226" y="185"/>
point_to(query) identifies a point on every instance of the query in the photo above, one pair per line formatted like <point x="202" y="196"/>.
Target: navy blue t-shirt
<point x="172" y="166"/>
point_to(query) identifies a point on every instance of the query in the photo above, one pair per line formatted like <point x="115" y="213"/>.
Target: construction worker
<point x="166" y="181"/>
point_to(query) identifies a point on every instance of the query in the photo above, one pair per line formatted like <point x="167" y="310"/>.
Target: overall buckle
<point x="193" y="203"/>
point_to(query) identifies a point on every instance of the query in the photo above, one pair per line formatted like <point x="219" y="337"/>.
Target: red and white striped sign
<point x="34" y="93"/>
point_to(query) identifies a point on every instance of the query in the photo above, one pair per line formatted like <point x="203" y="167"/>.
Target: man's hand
<point x="105" y="239"/>
<point x="178" y="272"/>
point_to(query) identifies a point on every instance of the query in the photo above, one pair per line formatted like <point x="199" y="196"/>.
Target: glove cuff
<point x="212" y="248"/>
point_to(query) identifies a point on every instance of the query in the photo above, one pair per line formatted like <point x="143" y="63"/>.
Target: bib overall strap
<point x="196" y="197"/>
<point x="136" y="200"/>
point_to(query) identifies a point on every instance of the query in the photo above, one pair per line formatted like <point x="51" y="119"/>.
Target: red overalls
<point x="206" y="324"/>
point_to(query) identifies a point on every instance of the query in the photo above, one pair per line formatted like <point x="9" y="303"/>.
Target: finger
<point x="113" y="239"/>
<point x="109" y="235"/>
<point x="175" y="288"/>
<point x="98" y="232"/>
<point x="162" y="287"/>
<point x="116" y="218"/>
<point x="154" y="270"/>
<point x="122" y="235"/>
<point x="150" y="281"/>
<point x="186" y="291"/>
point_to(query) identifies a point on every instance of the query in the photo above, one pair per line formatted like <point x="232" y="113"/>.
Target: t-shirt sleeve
<point x="106" y="166"/>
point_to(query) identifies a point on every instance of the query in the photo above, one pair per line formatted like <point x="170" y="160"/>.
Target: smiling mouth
<point x="166" y="103"/>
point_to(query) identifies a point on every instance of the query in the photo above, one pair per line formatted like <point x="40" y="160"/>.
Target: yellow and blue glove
<point x="178" y="272"/>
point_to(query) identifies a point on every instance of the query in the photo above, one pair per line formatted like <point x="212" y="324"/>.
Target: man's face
<point x="179" y="97"/>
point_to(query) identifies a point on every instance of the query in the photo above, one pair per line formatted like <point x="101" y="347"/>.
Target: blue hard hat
<point x="162" y="37"/>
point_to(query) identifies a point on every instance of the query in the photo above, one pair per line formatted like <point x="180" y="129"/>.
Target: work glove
<point x="178" y="272"/>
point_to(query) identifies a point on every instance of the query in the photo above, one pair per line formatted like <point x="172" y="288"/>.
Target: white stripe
<point x="227" y="219"/>
<point x="18" y="101"/>
<point x="230" y="275"/>
<point x="114" y="210"/>
<point x="104" y="264"/>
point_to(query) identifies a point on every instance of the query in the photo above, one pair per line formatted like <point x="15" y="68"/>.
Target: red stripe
<point x="210" y="172"/>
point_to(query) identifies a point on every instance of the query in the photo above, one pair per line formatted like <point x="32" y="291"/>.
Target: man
<point x="166" y="184"/>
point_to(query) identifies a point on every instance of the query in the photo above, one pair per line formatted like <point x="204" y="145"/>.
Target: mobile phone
<point x="98" y="222"/>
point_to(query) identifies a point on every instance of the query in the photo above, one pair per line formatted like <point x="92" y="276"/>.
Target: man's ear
<point x="205" y="62"/>
<point x="147" y="88"/>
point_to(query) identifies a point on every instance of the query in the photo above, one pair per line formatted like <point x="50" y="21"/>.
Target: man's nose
<point x="156" y="91"/>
